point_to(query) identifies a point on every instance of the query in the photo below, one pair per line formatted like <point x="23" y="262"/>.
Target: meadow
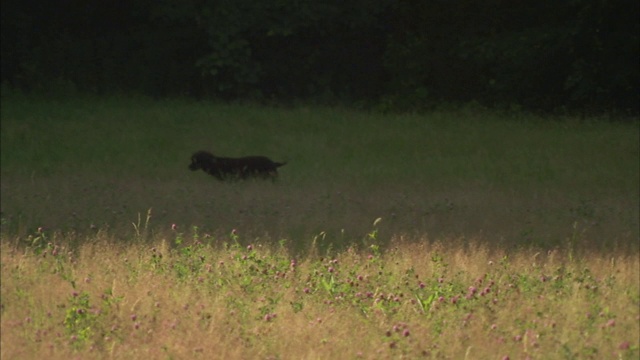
<point x="461" y="233"/>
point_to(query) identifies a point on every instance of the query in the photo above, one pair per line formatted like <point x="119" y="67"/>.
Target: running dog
<point x="243" y="168"/>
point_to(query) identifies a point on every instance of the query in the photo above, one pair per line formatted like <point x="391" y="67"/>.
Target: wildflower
<point x="174" y="227"/>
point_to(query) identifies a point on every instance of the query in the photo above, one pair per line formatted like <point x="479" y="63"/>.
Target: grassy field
<point x="184" y="298"/>
<point x="512" y="180"/>
<point x="496" y="235"/>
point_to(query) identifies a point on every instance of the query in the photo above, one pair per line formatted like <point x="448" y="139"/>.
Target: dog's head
<point x="202" y="160"/>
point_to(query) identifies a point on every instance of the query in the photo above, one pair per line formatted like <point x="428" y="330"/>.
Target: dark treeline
<point x="409" y="54"/>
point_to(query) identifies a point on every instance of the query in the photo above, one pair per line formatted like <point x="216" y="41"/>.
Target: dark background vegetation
<point x="397" y="55"/>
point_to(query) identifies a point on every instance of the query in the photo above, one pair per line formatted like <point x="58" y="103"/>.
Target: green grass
<point x="144" y="137"/>
<point x="512" y="179"/>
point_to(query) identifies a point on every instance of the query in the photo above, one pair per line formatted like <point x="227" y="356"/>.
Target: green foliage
<point x="243" y="37"/>
<point x="407" y="55"/>
<point x="80" y="320"/>
<point x="531" y="53"/>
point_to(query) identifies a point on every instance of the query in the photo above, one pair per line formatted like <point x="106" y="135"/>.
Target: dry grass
<point x="415" y="299"/>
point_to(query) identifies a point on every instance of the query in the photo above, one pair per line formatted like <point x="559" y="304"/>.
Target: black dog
<point x="235" y="168"/>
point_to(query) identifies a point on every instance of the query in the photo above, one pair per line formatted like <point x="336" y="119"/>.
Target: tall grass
<point x="180" y="296"/>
